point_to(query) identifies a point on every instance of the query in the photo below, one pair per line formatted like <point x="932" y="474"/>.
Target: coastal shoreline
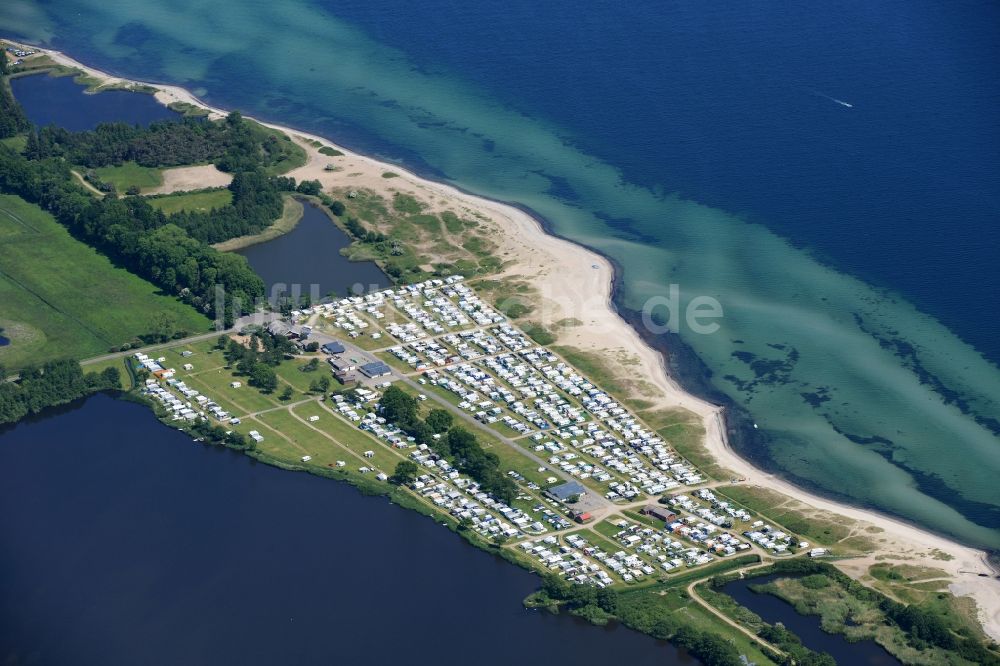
<point x="586" y="280"/>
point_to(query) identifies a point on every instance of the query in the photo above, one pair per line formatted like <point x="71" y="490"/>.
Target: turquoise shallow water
<point x="856" y="392"/>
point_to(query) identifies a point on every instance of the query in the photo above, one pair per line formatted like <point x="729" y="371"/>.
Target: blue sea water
<point x="730" y="104"/>
<point x="828" y="171"/>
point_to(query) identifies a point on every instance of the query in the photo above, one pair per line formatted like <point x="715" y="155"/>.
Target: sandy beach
<point x="574" y="284"/>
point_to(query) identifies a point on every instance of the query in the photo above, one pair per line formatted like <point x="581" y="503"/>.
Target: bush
<point x="815" y="582"/>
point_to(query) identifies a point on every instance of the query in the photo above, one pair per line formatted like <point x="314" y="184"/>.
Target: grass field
<point x="192" y="201"/>
<point x="60" y="298"/>
<point x="290" y="373"/>
<point x="128" y="175"/>
<point x="17" y="143"/>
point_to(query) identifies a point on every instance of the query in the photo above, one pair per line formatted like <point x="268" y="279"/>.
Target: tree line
<point x="645" y="613"/>
<point x="456" y="444"/>
<point x="233" y="144"/>
<point x="55" y="383"/>
<point x="133" y="234"/>
<point x="12" y="118"/>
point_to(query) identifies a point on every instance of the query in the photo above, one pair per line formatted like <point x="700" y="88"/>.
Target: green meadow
<point x="129" y="175"/>
<point x="61" y="298"/>
<point x="199" y="202"/>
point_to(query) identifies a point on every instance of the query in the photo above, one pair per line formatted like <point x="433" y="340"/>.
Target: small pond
<point x="51" y="100"/>
<point x="807" y="627"/>
<point x="307" y="261"/>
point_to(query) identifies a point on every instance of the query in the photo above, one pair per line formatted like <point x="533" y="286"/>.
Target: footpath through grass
<point x="60" y="298"/>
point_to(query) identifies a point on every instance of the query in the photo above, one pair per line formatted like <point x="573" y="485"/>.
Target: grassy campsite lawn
<point x="129" y="174"/>
<point x="198" y="202"/>
<point x="274" y="444"/>
<point x="288" y="439"/>
<point x="600" y="541"/>
<point x="290" y="373"/>
<point x="216" y="384"/>
<point x="348" y="436"/>
<point x="514" y="460"/>
<point x="326" y="451"/>
<point x="199" y="349"/>
<point x="60" y="298"/>
<point x="370" y="344"/>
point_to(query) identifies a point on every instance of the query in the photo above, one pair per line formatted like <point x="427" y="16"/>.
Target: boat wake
<point x="832" y="99"/>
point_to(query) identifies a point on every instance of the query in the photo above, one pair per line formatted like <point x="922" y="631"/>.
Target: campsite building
<point x="565" y="491"/>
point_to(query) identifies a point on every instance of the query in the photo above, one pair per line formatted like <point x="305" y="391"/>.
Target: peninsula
<point x="495" y="387"/>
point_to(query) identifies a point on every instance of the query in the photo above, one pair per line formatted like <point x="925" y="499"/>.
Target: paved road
<point x="240" y="323"/>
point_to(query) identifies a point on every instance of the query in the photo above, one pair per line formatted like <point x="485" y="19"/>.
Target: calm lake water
<point x="124" y="542"/>
<point x="807" y="627"/>
<point x="308" y="258"/>
<point x="50" y="100"/>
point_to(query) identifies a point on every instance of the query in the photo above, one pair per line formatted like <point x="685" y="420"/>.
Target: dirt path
<point x="83" y="181"/>
<point x="725" y="618"/>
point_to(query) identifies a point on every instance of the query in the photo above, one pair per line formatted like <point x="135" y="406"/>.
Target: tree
<point x="337" y="208"/>
<point x="555" y="587"/>
<point x="222" y="342"/>
<point x="164" y="326"/>
<point x="310" y="187"/>
<point x="263" y="377"/>
<point x="111" y="378"/>
<point x="406" y="472"/>
<point x="12" y="118"/>
<point x="246" y="366"/>
<point x="320" y="385"/>
<point x="398" y="406"/>
<point x="439" y="420"/>
<point x="238" y="440"/>
<point x="286" y="394"/>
